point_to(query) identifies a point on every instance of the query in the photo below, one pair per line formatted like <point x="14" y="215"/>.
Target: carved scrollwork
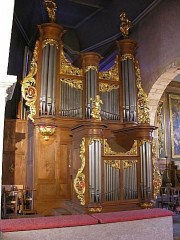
<point x="28" y="87"/>
<point x="112" y="73"/>
<point x="109" y="152"/>
<point x="157" y="179"/>
<point x="107" y="87"/>
<point x="142" y="99"/>
<point x="68" y="68"/>
<point x="79" y="181"/>
<point x="51" y="42"/>
<point x="73" y="83"/>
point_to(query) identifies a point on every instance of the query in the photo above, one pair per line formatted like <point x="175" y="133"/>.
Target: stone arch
<point x="158" y="89"/>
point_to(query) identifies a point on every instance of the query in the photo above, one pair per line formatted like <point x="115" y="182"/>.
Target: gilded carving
<point x="96" y="108"/>
<point x="91" y="140"/>
<point x="91" y="67"/>
<point x="67" y="68"/>
<point x="51" y="42"/>
<point x="142" y="99"/>
<point x="114" y="163"/>
<point x="109" y="152"/>
<point x="28" y="87"/>
<point x="129" y="163"/>
<point x="111" y="74"/>
<point x="107" y="87"/>
<point x="51" y="9"/>
<point x="125" y="25"/>
<point x="79" y="181"/>
<point x="73" y="83"/>
<point x="157" y="179"/>
<point x="126" y="56"/>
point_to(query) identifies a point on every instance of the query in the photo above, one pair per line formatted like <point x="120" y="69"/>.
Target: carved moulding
<point x="112" y="73"/>
<point x="142" y="99"/>
<point x="79" y="181"/>
<point x="28" y="87"/>
<point x="109" y="152"/>
<point x="107" y="87"/>
<point x="67" y="68"/>
<point x="73" y="83"/>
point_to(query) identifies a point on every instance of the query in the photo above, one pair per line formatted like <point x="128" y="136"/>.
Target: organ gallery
<point x="87" y="133"/>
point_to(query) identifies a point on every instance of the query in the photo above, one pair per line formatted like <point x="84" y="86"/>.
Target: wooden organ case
<point x="92" y="137"/>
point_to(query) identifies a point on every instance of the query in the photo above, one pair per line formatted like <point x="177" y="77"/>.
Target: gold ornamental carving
<point x="96" y="108"/>
<point x="28" y="87"/>
<point x="91" y="140"/>
<point x="51" y="9"/>
<point x="73" y="83"/>
<point x="91" y="67"/>
<point x="157" y="179"/>
<point x="111" y="74"/>
<point x="107" y="87"/>
<point x="127" y="56"/>
<point x="129" y="163"/>
<point x="114" y="163"/>
<point x="142" y="99"/>
<point x="51" y="42"/>
<point x="67" y="68"/>
<point x="125" y="25"/>
<point x="79" y="181"/>
<point x="109" y="152"/>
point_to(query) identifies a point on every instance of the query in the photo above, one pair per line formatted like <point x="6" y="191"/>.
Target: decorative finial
<point x="125" y="25"/>
<point x="51" y="9"/>
<point x="96" y="107"/>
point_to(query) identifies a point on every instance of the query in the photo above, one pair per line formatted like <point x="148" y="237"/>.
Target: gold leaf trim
<point x="114" y="163"/>
<point x="51" y="42"/>
<point x="68" y="68"/>
<point x="142" y="99"/>
<point x="129" y="163"/>
<point x="157" y="179"/>
<point x="79" y="181"/>
<point x="73" y="83"/>
<point x="107" y="87"/>
<point x="91" y="67"/>
<point x="127" y="56"/>
<point x="28" y="87"/>
<point x="112" y="73"/>
<point x="109" y="152"/>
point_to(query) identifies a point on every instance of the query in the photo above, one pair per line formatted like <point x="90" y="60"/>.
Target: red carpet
<point x="22" y="224"/>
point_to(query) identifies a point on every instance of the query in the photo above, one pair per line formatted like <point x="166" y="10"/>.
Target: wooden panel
<point x="15" y="149"/>
<point x="20" y="169"/>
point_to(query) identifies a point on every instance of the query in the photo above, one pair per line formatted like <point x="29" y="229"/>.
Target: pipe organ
<point x="99" y="153"/>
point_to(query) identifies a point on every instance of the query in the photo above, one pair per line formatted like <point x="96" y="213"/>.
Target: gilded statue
<point x="51" y="8"/>
<point x="96" y="107"/>
<point x="125" y="25"/>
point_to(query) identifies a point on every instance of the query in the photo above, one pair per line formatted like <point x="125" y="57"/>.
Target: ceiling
<point x="91" y="25"/>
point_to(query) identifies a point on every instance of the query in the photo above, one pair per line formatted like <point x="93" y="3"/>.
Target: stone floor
<point x="176" y="226"/>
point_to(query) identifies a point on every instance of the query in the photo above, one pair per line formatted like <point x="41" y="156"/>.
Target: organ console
<point x="100" y="155"/>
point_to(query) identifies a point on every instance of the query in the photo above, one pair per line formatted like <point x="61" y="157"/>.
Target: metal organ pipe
<point x="48" y="80"/>
<point x="129" y="90"/>
<point x="95" y="171"/>
<point x="146" y="170"/>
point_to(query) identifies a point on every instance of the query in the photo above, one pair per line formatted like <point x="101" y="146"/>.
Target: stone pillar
<point x="7" y="83"/>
